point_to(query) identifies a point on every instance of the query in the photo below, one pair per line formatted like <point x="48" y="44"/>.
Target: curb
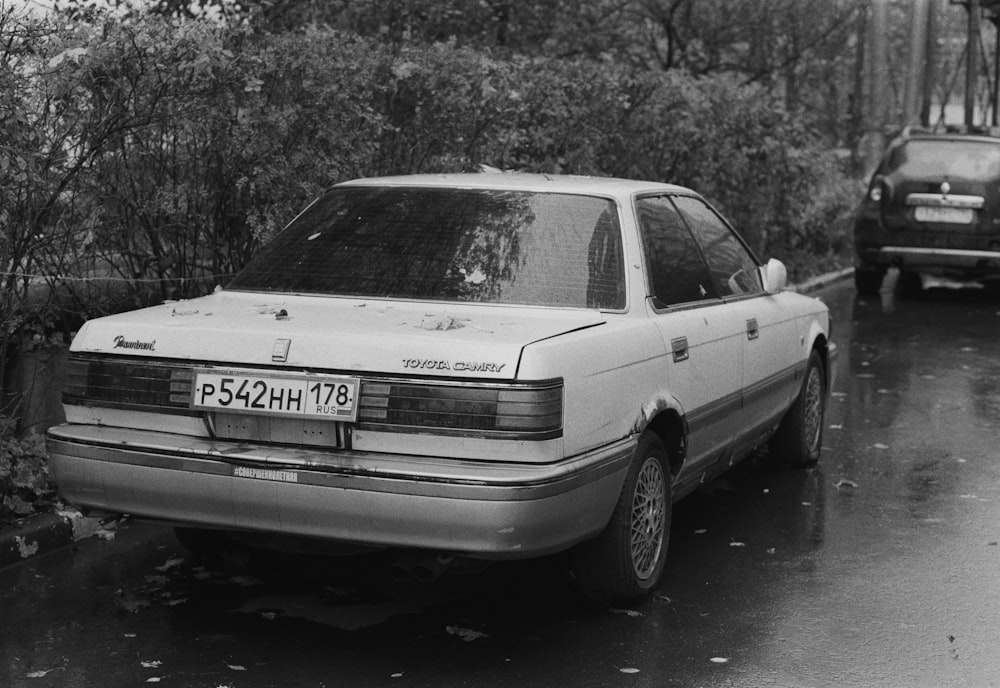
<point x="43" y="533"/>
<point x="817" y="283"/>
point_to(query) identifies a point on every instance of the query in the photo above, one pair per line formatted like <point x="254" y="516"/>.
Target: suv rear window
<point x="946" y="157"/>
<point x="470" y="245"/>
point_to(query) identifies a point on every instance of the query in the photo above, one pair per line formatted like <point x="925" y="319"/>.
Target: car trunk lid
<point x="336" y="334"/>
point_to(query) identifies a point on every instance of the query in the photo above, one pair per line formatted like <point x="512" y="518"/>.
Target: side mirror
<point x="775" y="276"/>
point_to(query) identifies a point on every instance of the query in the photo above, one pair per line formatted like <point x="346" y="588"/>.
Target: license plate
<point x="314" y="396"/>
<point x="958" y="216"/>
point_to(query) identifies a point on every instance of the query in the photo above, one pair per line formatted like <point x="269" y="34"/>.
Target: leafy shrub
<point x="25" y="486"/>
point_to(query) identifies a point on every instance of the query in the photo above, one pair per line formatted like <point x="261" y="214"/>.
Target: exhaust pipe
<point x="423" y="567"/>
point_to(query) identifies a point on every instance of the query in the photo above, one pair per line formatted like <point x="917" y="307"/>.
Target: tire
<point x="909" y="284"/>
<point x="199" y="541"/>
<point x="799" y="437"/>
<point x="214" y="547"/>
<point x="868" y="280"/>
<point x="624" y="564"/>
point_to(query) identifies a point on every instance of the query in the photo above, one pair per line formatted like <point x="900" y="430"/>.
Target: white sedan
<point x="454" y="367"/>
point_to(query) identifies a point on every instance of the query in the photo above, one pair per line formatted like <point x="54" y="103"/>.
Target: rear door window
<point x="733" y="268"/>
<point x="677" y="272"/>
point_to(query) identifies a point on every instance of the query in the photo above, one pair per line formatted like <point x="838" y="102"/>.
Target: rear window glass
<point x="964" y="159"/>
<point x="468" y="245"/>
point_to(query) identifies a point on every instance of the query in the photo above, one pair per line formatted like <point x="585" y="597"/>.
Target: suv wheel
<point x="909" y="284"/>
<point x="868" y="279"/>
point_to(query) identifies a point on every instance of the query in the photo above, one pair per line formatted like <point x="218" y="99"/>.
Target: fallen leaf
<point x="153" y="679"/>
<point x="40" y="674"/>
<point x="152" y="664"/>
<point x="236" y="667"/>
<point x="627" y="612"/>
<point x="629" y="670"/>
<point x="466" y="634"/>
<point x="734" y="543"/>
<point x="398" y="674"/>
<point x="442" y="322"/>
<point x="169" y="564"/>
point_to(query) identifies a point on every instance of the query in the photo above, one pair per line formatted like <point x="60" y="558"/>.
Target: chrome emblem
<point x="279" y="354"/>
<point x="945" y="188"/>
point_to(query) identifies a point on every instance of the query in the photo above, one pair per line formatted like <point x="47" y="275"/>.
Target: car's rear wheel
<point x="868" y="279"/>
<point x="800" y="435"/>
<point x="624" y="564"/>
<point x="214" y="547"/>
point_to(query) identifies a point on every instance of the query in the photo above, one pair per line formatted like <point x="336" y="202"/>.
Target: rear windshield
<point x="956" y="159"/>
<point x="468" y="245"/>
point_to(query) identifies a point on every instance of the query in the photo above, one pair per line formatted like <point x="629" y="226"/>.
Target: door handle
<point x="753" y="331"/>
<point x="679" y="347"/>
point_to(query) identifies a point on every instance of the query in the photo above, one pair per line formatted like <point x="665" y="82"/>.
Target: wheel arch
<point x="822" y="346"/>
<point x="665" y="419"/>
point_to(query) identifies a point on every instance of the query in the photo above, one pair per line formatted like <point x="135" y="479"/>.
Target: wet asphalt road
<point x="880" y="567"/>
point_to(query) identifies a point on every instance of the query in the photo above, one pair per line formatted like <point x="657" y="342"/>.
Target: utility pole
<point x="915" y="71"/>
<point x="879" y="94"/>
<point x="972" y="62"/>
<point x="930" y="57"/>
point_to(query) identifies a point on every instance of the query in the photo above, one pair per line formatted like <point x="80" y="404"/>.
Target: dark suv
<point x="933" y="206"/>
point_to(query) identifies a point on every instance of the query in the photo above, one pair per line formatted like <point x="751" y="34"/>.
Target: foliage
<point x="152" y="156"/>
<point x="25" y="486"/>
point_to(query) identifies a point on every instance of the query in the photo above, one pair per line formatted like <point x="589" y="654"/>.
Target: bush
<point x="25" y="486"/>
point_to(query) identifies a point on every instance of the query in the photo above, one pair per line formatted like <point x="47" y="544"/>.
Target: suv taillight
<point x="878" y="192"/>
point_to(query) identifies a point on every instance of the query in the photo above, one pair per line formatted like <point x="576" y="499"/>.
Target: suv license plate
<point x="956" y="216"/>
<point x="314" y="396"/>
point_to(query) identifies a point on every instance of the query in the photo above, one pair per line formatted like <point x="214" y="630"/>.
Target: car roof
<point x="522" y="181"/>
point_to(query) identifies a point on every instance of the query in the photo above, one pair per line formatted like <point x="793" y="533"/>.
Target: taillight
<point x="521" y="411"/>
<point x="127" y="383"/>
<point x="879" y="193"/>
<point x="533" y="411"/>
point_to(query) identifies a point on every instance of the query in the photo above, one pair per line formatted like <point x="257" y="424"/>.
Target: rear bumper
<point x="492" y="510"/>
<point x="945" y="260"/>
